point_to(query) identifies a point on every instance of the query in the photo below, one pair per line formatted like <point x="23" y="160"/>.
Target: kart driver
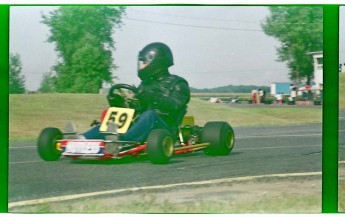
<point x="162" y="96"/>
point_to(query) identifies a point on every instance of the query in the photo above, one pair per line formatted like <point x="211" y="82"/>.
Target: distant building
<point x="284" y="87"/>
<point x="318" y="67"/>
<point x="280" y="87"/>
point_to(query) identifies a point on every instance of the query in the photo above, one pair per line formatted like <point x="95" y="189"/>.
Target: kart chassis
<point x="215" y="138"/>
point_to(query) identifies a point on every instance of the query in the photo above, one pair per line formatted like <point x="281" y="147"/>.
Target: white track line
<point x="277" y="147"/>
<point x="24" y="162"/>
<point x="22" y="147"/>
<point x="277" y="136"/>
<point x="215" y="181"/>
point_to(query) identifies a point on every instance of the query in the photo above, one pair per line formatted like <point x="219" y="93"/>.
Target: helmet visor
<point x="142" y="64"/>
<point x="145" y="59"/>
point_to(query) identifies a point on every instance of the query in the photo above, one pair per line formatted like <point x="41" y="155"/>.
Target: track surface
<point x="258" y="151"/>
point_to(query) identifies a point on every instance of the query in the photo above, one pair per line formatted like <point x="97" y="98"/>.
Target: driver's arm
<point x="178" y="98"/>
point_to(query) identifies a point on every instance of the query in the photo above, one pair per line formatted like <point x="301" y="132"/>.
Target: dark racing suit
<point x="164" y="101"/>
<point x="167" y="96"/>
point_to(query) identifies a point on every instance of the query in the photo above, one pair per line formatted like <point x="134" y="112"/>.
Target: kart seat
<point x="179" y="117"/>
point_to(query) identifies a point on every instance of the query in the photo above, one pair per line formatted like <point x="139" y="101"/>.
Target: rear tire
<point x="221" y="137"/>
<point x="160" y="146"/>
<point x="47" y="145"/>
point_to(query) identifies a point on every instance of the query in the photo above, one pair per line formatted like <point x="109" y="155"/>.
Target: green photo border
<point x="330" y="114"/>
<point x="4" y="57"/>
<point x="330" y="108"/>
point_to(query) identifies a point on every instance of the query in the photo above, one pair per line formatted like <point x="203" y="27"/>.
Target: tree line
<point x="231" y="89"/>
<point x="83" y="39"/>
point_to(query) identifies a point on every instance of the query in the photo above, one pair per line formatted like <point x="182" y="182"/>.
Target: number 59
<point x="122" y="117"/>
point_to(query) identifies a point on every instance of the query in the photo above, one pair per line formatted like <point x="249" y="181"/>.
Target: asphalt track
<point x="258" y="151"/>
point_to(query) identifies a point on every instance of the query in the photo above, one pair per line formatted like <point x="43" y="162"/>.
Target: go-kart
<point x="214" y="138"/>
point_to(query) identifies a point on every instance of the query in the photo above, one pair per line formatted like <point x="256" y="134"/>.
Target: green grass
<point x="241" y="95"/>
<point x="149" y="203"/>
<point x="252" y="115"/>
<point x="30" y="113"/>
<point x="341" y="190"/>
<point x="342" y="90"/>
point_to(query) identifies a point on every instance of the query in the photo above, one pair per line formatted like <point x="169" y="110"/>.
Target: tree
<point x="300" y="31"/>
<point x="16" y="79"/>
<point x="83" y="38"/>
<point x="48" y="83"/>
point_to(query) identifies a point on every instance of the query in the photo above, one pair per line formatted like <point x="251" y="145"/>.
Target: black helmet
<point x="154" y="59"/>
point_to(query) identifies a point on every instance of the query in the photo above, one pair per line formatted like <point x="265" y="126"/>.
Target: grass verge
<point x="342" y="90"/>
<point x="253" y="115"/>
<point x="30" y="113"/>
<point x="277" y="195"/>
<point x="284" y="203"/>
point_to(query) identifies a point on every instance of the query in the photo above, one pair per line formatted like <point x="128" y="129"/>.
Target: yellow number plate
<point x="122" y="117"/>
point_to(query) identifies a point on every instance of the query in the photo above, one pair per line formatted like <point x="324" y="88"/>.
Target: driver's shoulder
<point x="175" y="79"/>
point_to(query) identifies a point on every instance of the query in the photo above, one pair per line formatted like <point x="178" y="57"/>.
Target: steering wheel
<point x="125" y="94"/>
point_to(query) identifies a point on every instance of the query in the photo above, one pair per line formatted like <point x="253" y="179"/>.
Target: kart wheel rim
<point x="229" y="139"/>
<point x="55" y="146"/>
<point x="168" y="146"/>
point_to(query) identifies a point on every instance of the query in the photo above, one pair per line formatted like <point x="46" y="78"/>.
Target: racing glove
<point x="115" y="100"/>
<point x="94" y="123"/>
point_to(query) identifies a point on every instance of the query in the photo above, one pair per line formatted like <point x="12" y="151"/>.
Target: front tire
<point x="47" y="145"/>
<point x="221" y="137"/>
<point x="160" y="146"/>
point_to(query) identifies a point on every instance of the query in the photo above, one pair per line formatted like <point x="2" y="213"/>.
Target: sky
<point x="212" y="45"/>
<point x="342" y="36"/>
